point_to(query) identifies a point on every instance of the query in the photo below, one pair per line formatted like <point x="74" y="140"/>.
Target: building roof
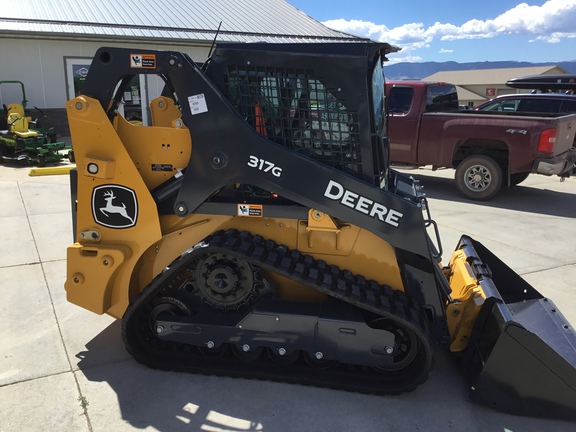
<point x="467" y="95"/>
<point x="171" y="21"/>
<point x="491" y="76"/>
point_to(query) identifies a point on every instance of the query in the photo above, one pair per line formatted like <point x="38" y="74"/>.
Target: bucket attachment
<point x="521" y="356"/>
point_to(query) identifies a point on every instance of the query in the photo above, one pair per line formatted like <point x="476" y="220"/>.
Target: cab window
<point x="539" y="105"/>
<point x="400" y="99"/>
<point x="441" y="98"/>
<point x="569" y="107"/>
<point x="509" y="105"/>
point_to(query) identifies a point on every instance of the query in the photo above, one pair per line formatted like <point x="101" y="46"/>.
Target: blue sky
<point x="457" y="30"/>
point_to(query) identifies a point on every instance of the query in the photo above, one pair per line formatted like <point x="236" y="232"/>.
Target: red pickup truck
<point x="489" y="150"/>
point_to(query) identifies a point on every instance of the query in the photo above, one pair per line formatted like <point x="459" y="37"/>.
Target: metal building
<point x="49" y="44"/>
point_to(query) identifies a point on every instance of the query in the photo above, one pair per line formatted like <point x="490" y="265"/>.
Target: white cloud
<point x="555" y="17"/>
<point x="551" y="22"/>
<point x="445" y="51"/>
<point x="556" y="37"/>
<point x="404" y="56"/>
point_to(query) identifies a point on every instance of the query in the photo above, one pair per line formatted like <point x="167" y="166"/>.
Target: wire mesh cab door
<point x="307" y="101"/>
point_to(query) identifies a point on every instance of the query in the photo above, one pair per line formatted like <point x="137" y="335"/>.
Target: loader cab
<point x="314" y="109"/>
<point x="306" y="100"/>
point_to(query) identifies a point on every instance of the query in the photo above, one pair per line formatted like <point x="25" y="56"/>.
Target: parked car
<point x="557" y="103"/>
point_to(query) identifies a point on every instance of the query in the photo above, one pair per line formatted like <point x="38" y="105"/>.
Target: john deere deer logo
<point x="111" y="208"/>
<point x="114" y="206"/>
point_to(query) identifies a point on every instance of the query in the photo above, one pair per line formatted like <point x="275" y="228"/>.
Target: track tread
<point x="329" y="279"/>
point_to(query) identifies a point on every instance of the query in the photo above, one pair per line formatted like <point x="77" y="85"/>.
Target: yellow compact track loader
<point x="256" y="230"/>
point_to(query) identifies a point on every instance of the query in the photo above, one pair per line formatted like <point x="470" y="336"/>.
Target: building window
<point x="76" y="70"/>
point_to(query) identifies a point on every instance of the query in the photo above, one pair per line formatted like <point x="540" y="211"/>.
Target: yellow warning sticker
<point x="143" y="61"/>
<point x="250" y="210"/>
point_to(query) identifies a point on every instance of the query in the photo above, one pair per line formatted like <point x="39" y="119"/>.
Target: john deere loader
<point x="255" y="230"/>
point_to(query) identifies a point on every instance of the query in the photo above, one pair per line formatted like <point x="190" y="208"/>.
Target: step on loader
<point x="255" y="230"/>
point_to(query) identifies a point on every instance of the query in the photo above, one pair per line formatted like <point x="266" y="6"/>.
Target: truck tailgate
<point x="565" y="133"/>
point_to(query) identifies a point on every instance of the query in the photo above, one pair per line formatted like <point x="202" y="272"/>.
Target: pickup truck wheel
<point x="478" y="177"/>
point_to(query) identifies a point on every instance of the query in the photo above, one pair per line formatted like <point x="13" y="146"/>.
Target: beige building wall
<point x="478" y="86"/>
<point x="41" y="65"/>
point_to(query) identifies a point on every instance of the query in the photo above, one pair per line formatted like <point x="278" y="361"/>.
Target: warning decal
<point x="250" y="210"/>
<point x="143" y="61"/>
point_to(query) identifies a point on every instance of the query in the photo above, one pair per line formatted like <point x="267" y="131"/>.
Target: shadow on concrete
<point x="172" y="401"/>
<point x="520" y="198"/>
<point x="166" y="401"/>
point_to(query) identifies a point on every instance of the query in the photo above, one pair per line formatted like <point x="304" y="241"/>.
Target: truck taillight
<point x="547" y="141"/>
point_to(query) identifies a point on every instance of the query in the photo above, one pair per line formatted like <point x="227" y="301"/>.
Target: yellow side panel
<point x="89" y="280"/>
<point x="354" y="249"/>
<point x="158" y="152"/>
<point x="96" y="142"/>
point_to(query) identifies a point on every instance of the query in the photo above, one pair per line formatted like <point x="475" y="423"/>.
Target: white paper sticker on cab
<point x="197" y="104"/>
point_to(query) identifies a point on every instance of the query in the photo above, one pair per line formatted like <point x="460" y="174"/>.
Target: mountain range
<point x="422" y="70"/>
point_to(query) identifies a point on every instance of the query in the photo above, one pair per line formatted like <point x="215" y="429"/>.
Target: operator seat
<point x="19" y="126"/>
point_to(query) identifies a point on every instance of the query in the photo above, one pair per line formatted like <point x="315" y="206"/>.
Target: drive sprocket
<point x="224" y="282"/>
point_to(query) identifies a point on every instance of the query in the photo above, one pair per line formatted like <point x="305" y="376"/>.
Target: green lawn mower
<point x="22" y="141"/>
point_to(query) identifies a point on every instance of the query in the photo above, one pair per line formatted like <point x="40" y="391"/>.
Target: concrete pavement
<point x="65" y="369"/>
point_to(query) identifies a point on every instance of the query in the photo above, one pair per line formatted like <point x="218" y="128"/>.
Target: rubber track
<point x="329" y="279"/>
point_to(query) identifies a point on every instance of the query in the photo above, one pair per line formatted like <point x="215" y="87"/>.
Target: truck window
<point x="441" y="98"/>
<point x="400" y="99"/>
<point x="569" y="107"/>
<point x="509" y="105"/>
<point x="539" y="105"/>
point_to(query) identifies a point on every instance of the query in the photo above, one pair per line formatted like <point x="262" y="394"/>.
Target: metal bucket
<point x="521" y="357"/>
